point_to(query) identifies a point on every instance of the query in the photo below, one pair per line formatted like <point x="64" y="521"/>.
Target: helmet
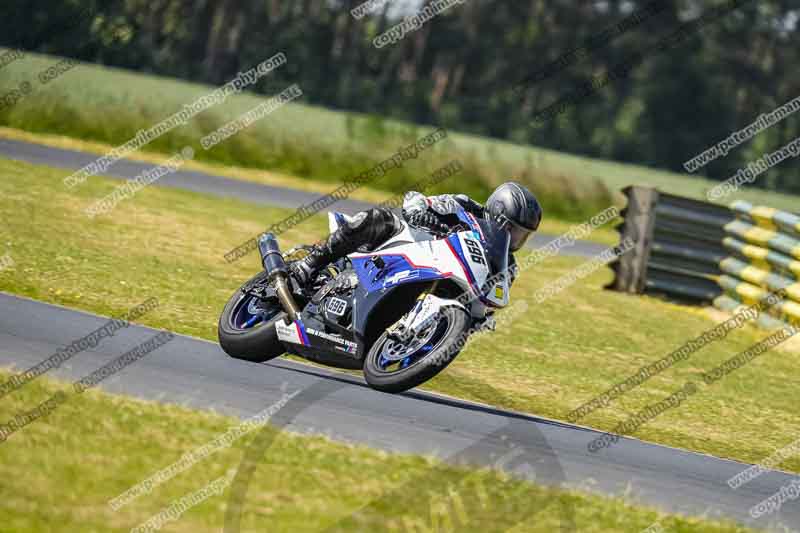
<point x="515" y="206"/>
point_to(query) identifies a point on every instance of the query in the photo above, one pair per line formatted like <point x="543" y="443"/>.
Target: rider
<point x="511" y="204"/>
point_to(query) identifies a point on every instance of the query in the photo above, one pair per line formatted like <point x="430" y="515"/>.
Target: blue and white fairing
<point x="469" y="258"/>
<point x="472" y="259"/>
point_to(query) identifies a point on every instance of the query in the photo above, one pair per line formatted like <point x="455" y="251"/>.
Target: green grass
<point x="110" y="105"/>
<point x="549" y="225"/>
<point x="65" y="467"/>
<point x="169" y="244"/>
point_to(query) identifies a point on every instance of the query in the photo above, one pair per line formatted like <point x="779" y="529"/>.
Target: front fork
<point x="425" y="311"/>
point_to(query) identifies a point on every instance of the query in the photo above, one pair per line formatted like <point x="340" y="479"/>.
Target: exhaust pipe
<point x="278" y="274"/>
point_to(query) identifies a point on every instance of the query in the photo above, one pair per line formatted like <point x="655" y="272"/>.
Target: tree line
<point x="652" y="82"/>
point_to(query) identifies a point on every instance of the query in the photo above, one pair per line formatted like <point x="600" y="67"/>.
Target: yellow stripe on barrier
<point x="759" y="235"/>
<point x="730" y="304"/>
<point x="755" y="252"/>
<point x="793" y="291"/>
<point x="773" y="240"/>
<point x="760" y="257"/>
<point x="755" y="275"/>
<point x="751" y="295"/>
<point x="764" y="216"/>
<point x="791" y="310"/>
<point x="765" y="247"/>
<point x="765" y="279"/>
<point x="763" y="265"/>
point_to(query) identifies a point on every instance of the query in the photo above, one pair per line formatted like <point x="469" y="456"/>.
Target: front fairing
<point x="476" y="260"/>
<point x="497" y="244"/>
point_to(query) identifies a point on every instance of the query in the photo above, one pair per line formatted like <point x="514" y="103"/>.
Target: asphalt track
<point x="196" y="373"/>
<point x="219" y="186"/>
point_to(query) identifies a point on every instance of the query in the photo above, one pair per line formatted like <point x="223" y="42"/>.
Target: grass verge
<point x="109" y="106"/>
<point x="549" y="225"/>
<point x="94" y="446"/>
<point x="169" y="244"/>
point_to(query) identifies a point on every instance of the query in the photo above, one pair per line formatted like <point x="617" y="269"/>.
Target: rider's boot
<point x="337" y="245"/>
<point x="369" y="228"/>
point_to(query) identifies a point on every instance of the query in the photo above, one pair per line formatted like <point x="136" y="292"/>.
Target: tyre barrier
<point x="763" y="247"/>
<point x="697" y="252"/>
<point x="678" y="246"/>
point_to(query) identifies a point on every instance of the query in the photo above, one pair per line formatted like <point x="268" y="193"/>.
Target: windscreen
<point x="497" y="242"/>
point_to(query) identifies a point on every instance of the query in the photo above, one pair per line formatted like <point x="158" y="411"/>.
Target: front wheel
<point x="395" y="366"/>
<point x="247" y="326"/>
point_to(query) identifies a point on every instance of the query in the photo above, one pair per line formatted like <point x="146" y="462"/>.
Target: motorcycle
<point x="401" y="313"/>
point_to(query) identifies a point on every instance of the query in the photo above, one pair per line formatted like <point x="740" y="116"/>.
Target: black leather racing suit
<point x="369" y="229"/>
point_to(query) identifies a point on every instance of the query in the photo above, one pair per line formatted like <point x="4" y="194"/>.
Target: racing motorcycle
<point x="401" y="312"/>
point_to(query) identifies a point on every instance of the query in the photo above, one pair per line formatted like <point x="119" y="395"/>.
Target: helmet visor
<point x="519" y="235"/>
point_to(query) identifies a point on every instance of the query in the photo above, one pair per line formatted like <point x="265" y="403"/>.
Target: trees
<point x="473" y="67"/>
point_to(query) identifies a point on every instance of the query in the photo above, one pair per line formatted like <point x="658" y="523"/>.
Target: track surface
<point x="219" y="186"/>
<point x="196" y="373"/>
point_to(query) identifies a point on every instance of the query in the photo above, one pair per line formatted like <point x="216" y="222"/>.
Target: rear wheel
<point x="247" y="326"/>
<point x="394" y="366"/>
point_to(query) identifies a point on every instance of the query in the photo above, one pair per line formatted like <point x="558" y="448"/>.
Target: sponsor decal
<point x="400" y="276"/>
<point x="294" y="333"/>
<point x="342" y="344"/>
<point x="286" y="333"/>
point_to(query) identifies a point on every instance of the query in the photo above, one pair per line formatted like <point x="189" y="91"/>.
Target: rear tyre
<point x="247" y="327"/>
<point x="385" y="371"/>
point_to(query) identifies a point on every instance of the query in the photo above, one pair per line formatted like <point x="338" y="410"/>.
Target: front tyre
<point x="392" y="366"/>
<point x="247" y="327"/>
